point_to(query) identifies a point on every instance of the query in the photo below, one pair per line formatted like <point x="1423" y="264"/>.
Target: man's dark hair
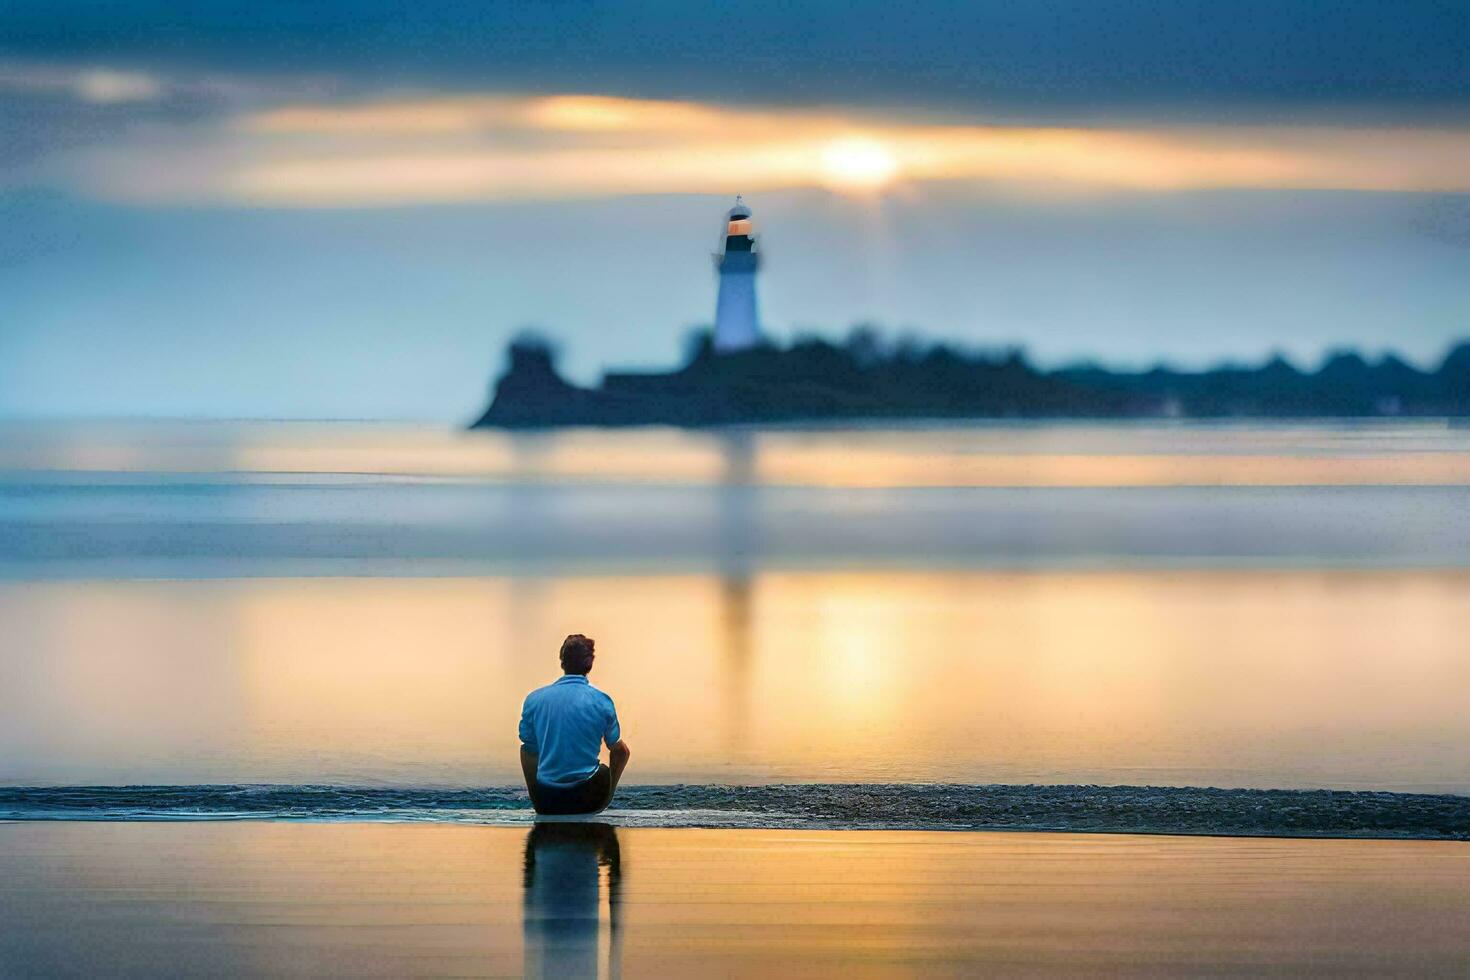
<point x="576" y="654"/>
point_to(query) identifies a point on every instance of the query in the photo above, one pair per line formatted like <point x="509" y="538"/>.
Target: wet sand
<point x="394" y="899"/>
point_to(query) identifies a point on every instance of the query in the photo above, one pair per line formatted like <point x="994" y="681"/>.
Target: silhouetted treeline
<point x="869" y="378"/>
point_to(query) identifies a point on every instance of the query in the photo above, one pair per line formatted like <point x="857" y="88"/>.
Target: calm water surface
<point x="1191" y="605"/>
<point x="575" y="900"/>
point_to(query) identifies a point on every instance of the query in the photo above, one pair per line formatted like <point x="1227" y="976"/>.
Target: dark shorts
<point x="589" y="796"/>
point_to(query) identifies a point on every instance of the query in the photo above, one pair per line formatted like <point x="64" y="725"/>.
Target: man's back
<point x="563" y="724"/>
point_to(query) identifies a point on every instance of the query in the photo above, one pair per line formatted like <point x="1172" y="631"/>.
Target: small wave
<point x="1101" y="809"/>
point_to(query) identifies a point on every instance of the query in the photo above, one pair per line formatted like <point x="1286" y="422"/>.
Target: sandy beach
<point x="284" y="898"/>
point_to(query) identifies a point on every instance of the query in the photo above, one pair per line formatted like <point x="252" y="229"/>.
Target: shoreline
<point x="950" y="808"/>
<point x="621" y="821"/>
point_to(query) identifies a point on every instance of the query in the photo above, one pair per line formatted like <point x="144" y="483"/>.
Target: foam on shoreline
<point x="1097" y="809"/>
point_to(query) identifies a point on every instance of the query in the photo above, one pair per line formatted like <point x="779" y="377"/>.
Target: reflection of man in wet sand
<point x="561" y="908"/>
<point x="562" y="728"/>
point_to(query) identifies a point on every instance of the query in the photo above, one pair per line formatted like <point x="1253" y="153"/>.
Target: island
<point x="865" y="378"/>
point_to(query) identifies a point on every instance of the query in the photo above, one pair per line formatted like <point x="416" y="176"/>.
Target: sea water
<point x="927" y="611"/>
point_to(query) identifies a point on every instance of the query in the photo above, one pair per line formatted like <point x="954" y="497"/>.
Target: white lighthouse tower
<point x="736" y="325"/>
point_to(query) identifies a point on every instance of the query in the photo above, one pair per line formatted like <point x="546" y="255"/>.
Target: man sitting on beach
<point x="561" y="726"/>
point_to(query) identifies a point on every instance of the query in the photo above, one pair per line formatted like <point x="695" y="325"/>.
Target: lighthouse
<point x="736" y="325"/>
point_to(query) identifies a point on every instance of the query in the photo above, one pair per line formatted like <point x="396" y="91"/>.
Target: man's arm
<point x="618" y="752"/>
<point x="530" y="755"/>
<point x="617" y="760"/>
<point x="528" y="769"/>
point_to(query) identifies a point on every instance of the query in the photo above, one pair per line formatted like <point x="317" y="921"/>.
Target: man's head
<point x="576" y="654"/>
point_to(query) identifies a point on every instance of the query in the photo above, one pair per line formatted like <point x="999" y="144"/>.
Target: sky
<point x="323" y="210"/>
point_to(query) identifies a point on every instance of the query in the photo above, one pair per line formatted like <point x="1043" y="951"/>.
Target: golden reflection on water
<point x="1264" y="678"/>
<point x="837" y="466"/>
<point x="1413" y="453"/>
<point x="279" y="898"/>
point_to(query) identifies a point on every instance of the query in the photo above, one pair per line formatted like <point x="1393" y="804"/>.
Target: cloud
<point x="496" y="146"/>
<point x="105" y="87"/>
<point x="1062" y="61"/>
<point x="95" y="86"/>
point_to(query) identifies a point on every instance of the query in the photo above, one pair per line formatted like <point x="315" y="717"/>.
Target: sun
<point x="858" y="164"/>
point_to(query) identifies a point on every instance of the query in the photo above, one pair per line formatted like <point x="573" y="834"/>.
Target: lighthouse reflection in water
<point x="564" y="884"/>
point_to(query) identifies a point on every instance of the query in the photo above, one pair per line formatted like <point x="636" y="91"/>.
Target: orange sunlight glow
<point x="511" y="147"/>
<point x="858" y="163"/>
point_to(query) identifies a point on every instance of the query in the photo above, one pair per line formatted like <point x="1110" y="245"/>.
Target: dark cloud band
<point x="1359" y="60"/>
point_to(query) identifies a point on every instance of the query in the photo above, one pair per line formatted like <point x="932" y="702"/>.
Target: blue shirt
<point x="563" y="723"/>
